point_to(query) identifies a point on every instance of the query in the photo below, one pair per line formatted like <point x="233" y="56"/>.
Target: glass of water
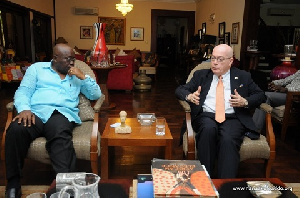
<point x="160" y="126"/>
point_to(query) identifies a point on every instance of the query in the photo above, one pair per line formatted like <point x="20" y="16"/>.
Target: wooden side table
<point x="140" y="136"/>
<point x="101" y="76"/>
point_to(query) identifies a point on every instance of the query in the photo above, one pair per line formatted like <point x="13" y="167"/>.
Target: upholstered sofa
<point x="122" y="79"/>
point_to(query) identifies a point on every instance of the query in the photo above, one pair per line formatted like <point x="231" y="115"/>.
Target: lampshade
<point x="124" y="7"/>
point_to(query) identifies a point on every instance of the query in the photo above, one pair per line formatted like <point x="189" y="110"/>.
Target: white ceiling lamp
<point x="124" y="7"/>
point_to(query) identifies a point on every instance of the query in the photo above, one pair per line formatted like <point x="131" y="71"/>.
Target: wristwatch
<point x="246" y="103"/>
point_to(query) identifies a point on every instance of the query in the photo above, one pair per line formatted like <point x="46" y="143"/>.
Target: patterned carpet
<point x="32" y="189"/>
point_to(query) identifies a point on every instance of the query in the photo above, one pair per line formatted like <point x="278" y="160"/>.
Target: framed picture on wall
<point x="136" y="34"/>
<point x="221" y="30"/>
<point x="200" y="34"/>
<point x="227" y="38"/>
<point x="115" y="30"/>
<point x="235" y="33"/>
<point x="86" y="32"/>
<point x="203" y="28"/>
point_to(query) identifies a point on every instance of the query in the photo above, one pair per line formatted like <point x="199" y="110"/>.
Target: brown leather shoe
<point x="13" y="193"/>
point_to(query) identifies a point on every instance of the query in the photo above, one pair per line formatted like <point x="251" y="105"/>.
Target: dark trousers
<point x="58" y="133"/>
<point x="219" y="142"/>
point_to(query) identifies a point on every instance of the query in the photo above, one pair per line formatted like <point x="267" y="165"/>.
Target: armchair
<point x="86" y="137"/>
<point x="288" y="114"/>
<point x="263" y="148"/>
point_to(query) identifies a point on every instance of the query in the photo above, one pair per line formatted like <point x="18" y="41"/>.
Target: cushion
<point x="135" y="53"/>
<point x="117" y="51"/>
<point x="278" y="111"/>
<point x="77" y="51"/>
<point x="86" y="112"/>
<point x="148" y="58"/>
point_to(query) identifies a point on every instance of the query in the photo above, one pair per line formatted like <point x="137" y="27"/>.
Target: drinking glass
<point x="60" y="195"/>
<point x="160" y="126"/>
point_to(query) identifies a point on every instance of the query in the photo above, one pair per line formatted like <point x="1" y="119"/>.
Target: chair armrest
<point x="190" y="137"/>
<point x="10" y="110"/>
<point x="185" y="105"/>
<point x="10" y="106"/>
<point x="99" y="103"/>
<point x="266" y="107"/>
<point x="270" y="136"/>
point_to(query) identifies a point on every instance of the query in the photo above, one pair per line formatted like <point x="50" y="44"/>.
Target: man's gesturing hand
<point x="27" y="117"/>
<point x="195" y="97"/>
<point x="237" y="100"/>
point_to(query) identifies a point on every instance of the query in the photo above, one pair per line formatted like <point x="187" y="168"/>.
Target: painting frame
<point x="136" y="33"/>
<point x="203" y="28"/>
<point x="235" y="33"/>
<point x="222" y="27"/>
<point x="115" y="30"/>
<point x="222" y="41"/>
<point x="227" y="38"/>
<point x="200" y="33"/>
<point x="86" y="32"/>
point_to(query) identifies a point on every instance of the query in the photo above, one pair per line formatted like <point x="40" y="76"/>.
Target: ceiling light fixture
<point x="124" y="7"/>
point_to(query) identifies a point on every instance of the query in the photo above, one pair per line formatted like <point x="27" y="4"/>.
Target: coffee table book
<point x="181" y="178"/>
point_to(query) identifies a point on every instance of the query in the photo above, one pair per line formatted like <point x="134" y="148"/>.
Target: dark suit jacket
<point x="239" y="80"/>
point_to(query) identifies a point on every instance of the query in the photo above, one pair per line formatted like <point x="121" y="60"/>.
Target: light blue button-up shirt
<point x="42" y="91"/>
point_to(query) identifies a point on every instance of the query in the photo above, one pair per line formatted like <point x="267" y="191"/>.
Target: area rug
<point x="26" y="190"/>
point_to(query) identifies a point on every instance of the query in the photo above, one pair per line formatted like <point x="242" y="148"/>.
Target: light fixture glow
<point x="124" y="7"/>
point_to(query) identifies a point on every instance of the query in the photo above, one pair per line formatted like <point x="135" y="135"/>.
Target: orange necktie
<point x="220" y="104"/>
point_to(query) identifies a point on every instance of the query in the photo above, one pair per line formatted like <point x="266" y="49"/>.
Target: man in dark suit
<point x="221" y="140"/>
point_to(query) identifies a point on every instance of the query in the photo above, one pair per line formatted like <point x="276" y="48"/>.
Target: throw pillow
<point x="86" y="112"/>
<point x="117" y="51"/>
<point x="148" y="58"/>
<point x="135" y="53"/>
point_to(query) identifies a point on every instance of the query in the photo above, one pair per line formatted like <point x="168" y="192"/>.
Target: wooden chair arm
<point x="10" y="110"/>
<point x="99" y="103"/>
<point x="190" y="137"/>
<point x="94" y="135"/>
<point x="270" y="136"/>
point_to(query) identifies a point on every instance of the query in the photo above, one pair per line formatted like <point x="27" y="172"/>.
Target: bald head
<point x="61" y="48"/>
<point x="225" y="49"/>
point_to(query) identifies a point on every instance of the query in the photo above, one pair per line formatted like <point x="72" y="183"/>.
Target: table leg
<point x="104" y="158"/>
<point x="106" y="104"/>
<point x="168" y="150"/>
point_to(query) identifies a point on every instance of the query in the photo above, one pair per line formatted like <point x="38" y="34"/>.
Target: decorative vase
<point x="142" y="82"/>
<point x="285" y="69"/>
<point x="99" y="55"/>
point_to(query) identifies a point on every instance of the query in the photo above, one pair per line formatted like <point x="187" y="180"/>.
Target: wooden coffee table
<point x="139" y="136"/>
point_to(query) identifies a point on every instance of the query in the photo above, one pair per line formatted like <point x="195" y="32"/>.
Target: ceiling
<point x="174" y="1"/>
<point x="263" y="1"/>
<point x="281" y="1"/>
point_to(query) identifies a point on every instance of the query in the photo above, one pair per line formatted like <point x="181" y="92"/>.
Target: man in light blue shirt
<point x="46" y="102"/>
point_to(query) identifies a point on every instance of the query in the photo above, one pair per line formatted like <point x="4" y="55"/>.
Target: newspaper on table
<point x="65" y="179"/>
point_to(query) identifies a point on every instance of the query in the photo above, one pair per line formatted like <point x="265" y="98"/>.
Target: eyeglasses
<point x="67" y="59"/>
<point x="219" y="59"/>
